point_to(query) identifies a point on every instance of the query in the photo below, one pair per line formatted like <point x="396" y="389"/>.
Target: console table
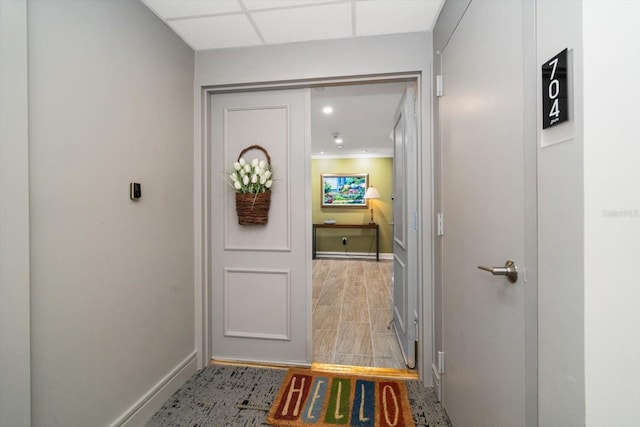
<point x="361" y="226"/>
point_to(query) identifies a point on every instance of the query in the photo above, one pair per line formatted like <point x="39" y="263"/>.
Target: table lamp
<point x="371" y="193"/>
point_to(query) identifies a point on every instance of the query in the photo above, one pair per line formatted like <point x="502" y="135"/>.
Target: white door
<point x="260" y="275"/>
<point x="483" y="132"/>
<point x="405" y="290"/>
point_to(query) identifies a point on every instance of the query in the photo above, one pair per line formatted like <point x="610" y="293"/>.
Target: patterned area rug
<point x="240" y="396"/>
<point x="308" y="398"/>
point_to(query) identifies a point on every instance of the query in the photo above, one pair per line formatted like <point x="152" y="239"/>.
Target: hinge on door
<point x="440" y="225"/>
<point x="415" y="220"/>
<point x="441" y="362"/>
<point x="439" y="85"/>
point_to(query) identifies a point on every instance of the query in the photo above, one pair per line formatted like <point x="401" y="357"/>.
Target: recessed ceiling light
<point x="327" y="110"/>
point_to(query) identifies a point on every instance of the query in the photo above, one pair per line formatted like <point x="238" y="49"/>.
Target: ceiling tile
<point x="395" y="16"/>
<point x="167" y="9"/>
<point x="274" y="4"/>
<point x="305" y="23"/>
<point x="216" y="32"/>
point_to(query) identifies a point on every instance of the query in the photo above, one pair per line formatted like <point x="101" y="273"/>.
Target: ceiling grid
<point x="217" y="24"/>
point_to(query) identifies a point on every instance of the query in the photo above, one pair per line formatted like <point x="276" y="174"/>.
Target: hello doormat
<point x="308" y="398"/>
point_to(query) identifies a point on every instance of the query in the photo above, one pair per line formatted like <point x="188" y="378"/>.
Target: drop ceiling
<point x="216" y="24"/>
<point x="363" y="114"/>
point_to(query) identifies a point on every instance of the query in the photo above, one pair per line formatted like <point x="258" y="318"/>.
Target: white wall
<point x="333" y="58"/>
<point x="15" y="379"/>
<point x="589" y="224"/>
<point x="110" y="102"/>
<point x="560" y="235"/>
<point x="611" y="211"/>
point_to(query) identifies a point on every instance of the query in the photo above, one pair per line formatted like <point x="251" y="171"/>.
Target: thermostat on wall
<point x="135" y="191"/>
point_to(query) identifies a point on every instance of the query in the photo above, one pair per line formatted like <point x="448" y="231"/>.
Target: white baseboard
<point x="140" y="412"/>
<point x="353" y="255"/>
<point x="437" y="381"/>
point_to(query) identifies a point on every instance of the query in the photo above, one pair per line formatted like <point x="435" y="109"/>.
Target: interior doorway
<point x="254" y="353"/>
<point x="353" y="131"/>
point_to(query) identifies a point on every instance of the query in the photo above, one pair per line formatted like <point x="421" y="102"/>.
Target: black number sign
<point x="554" y="91"/>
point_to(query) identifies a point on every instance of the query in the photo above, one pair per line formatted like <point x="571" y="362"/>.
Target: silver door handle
<point x="510" y="270"/>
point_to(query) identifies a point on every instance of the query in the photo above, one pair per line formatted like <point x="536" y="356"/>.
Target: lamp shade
<point x="372" y="193"/>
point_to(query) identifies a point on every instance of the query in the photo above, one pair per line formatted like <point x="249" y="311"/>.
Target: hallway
<point x="352" y="309"/>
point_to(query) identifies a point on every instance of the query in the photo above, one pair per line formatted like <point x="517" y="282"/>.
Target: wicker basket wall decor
<point x="253" y="208"/>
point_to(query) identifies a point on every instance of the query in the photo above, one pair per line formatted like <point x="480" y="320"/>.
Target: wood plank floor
<point x="352" y="310"/>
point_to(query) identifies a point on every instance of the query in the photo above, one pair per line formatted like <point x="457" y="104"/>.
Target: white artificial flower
<point x="252" y="176"/>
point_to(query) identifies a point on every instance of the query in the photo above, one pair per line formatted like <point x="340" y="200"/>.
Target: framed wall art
<point x="344" y="189"/>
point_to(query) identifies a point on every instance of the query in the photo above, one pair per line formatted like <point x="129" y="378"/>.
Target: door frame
<point x="202" y="200"/>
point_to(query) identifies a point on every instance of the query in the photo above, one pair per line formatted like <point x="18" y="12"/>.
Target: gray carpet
<point x="221" y="396"/>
